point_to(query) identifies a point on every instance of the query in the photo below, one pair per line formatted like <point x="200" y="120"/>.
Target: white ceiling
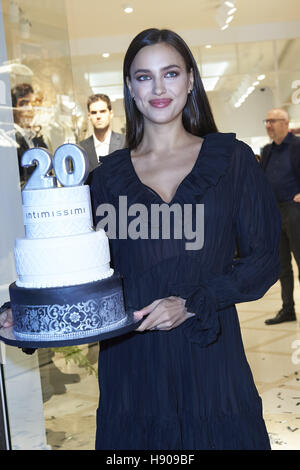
<point x="94" y="18"/>
<point x="99" y="18"/>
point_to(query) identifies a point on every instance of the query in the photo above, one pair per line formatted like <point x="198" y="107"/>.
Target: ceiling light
<point x="208" y="46"/>
<point x="261" y="77"/>
<point x="224" y="13"/>
<point x="128" y="9"/>
<point x="209" y="83"/>
<point x="230" y="12"/>
<point x="243" y="91"/>
<point x="211" y="73"/>
<point x="214" y="69"/>
<point x="105" y="55"/>
<point x="225" y="26"/>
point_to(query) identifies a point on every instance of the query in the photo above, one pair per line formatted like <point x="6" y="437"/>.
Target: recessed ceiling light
<point x="105" y="55"/>
<point x="128" y="9"/>
<point x="225" y="26"/>
<point x="208" y="46"/>
<point x="261" y="77"/>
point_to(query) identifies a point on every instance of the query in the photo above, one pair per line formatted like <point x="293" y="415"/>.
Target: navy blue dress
<point x="189" y="388"/>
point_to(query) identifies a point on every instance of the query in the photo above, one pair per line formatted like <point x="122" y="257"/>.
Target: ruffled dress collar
<point x="211" y="164"/>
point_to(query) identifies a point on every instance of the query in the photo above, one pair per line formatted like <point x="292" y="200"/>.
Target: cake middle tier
<point x="62" y="261"/>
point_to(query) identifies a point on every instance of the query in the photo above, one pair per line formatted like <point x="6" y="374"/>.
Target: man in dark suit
<point x="281" y="163"/>
<point x="103" y="140"/>
<point x="22" y="96"/>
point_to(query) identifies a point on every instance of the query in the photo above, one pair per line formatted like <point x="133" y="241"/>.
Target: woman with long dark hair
<point x="182" y="381"/>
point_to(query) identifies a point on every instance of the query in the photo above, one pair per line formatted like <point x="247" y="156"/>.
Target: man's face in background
<point x="99" y="115"/>
<point x="23" y="114"/>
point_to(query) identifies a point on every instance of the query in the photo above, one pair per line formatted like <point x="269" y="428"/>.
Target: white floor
<point x="273" y="353"/>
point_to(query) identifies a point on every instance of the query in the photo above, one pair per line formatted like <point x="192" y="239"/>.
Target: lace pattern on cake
<point x="69" y="320"/>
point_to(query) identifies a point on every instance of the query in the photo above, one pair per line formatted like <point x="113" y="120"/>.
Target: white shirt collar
<point x="99" y="144"/>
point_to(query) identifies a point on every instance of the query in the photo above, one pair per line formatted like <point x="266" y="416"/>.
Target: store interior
<point x="248" y="57"/>
<point x="67" y="53"/>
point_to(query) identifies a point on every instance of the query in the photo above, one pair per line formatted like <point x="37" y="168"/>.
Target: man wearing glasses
<point x="281" y="163"/>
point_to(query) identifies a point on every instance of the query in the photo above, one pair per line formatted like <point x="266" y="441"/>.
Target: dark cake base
<point x="8" y="337"/>
<point x="64" y="316"/>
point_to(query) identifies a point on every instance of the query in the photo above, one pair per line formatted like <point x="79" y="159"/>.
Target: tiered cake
<point x="65" y="289"/>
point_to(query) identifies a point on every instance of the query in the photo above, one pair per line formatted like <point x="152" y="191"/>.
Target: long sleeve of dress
<point x="258" y="234"/>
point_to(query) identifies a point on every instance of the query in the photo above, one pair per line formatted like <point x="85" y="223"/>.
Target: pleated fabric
<point x="189" y="388"/>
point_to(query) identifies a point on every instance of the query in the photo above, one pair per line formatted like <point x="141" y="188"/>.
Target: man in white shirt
<point x="103" y="141"/>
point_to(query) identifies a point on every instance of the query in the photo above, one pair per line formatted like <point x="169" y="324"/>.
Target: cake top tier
<point x="55" y="200"/>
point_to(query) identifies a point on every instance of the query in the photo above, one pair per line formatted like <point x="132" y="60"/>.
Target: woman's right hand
<point x="6" y="318"/>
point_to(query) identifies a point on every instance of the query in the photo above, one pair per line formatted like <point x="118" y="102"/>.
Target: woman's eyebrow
<point x="167" y="67"/>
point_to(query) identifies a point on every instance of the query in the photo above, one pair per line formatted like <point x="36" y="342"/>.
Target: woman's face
<point x="159" y="83"/>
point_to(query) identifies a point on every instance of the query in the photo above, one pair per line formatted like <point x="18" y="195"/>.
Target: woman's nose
<point x="158" y="87"/>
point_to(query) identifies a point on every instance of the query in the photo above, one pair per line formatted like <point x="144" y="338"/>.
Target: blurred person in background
<point x="27" y="137"/>
<point x="103" y="141"/>
<point x="281" y="163"/>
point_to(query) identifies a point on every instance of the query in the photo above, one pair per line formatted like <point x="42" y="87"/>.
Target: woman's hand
<point x="297" y="198"/>
<point x="6" y="318"/>
<point x="163" y="314"/>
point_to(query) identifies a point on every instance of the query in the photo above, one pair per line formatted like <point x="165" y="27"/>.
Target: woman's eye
<point x="171" y="74"/>
<point x="141" y="78"/>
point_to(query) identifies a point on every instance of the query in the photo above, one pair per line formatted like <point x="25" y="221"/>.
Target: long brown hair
<point x="197" y="117"/>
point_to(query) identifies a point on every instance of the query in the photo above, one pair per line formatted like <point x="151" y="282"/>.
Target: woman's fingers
<point x="139" y="314"/>
<point x="6" y="319"/>
<point x="167" y="314"/>
<point x="297" y="198"/>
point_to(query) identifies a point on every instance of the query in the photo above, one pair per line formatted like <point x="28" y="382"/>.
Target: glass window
<point x="59" y="387"/>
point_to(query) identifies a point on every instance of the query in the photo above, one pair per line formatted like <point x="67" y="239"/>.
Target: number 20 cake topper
<point x="68" y="175"/>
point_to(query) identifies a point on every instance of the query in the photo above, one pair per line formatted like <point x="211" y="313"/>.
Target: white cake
<point x="65" y="292"/>
<point x="60" y="248"/>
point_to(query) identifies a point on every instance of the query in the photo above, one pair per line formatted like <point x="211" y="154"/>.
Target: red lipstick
<point x="160" y="103"/>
